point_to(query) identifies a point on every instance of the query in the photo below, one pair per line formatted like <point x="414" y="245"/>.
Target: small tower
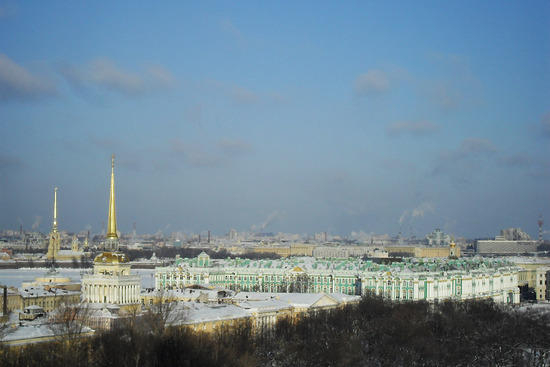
<point x="75" y="244"/>
<point x="452" y="249"/>
<point x="203" y="259"/>
<point x="54" y="245"/>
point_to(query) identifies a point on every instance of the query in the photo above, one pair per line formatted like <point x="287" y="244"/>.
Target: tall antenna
<point x="540" y="222"/>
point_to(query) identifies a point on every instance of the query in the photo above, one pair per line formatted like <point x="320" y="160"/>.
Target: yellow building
<point x="13" y="299"/>
<point x="534" y="274"/>
<point x="259" y="310"/>
<point x="47" y="298"/>
<point x="296" y="249"/>
<point x="424" y="252"/>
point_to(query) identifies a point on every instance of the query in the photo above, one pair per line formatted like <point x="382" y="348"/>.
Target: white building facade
<point x="413" y="279"/>
<point x="111" y="281"/>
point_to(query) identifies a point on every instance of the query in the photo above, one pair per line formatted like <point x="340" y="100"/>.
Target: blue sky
<point x="308" y="117"/>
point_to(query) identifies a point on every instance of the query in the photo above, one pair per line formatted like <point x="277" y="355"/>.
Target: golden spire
<point x="111" y="224"/>
<point x="54" y="226"/>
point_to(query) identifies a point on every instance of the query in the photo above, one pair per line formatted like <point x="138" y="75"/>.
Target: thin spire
<point x="111" y="223"/>
<point x="54" y="226"/>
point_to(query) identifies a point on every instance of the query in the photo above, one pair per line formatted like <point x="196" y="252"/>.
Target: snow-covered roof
<point x="268" y="305"/>
<point x="293" y="299"/>
<point x="345" y="298"/>
<point x="25" y="334"/>
<point x="186" y="293"/>
<point x="192" y="313"/>
<point x="30" y="292"/>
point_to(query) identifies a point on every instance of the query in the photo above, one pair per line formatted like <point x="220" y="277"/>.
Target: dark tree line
<point x="381" y="333"/>
<point x="373" y="333"/>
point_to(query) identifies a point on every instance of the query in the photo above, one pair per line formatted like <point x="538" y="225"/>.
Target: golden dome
<point x="111" y="258"/>
<point x="298" y="269"/>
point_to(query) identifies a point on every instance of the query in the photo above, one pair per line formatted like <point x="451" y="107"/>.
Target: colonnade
<point x="118" y="293"/>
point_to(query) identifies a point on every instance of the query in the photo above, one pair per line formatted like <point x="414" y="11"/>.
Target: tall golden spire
<point x="111" y="225"/>
<point x="54" y="226"/>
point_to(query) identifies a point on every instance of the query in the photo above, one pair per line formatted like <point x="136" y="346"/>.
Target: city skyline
<point x="277" y="117"/>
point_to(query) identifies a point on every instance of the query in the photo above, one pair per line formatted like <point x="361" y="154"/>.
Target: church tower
<point x="54" y="245"/>
<point x="112" y="281"/>
<point x="111" y="242"/>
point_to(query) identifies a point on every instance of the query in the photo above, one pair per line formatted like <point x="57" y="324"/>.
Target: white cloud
<point x="422" y="209"/>
<point x="372" y="82"/>
<point x="104" y="74"/>
<point x="408" y="216"/>
<point x="413" y="128"/>
<point x="270" y="219"/>
<point x="228" y="27"/>
<point x="17" y="83"/>
<point x="194" y="155"/>
<point x="234" y="146"/>
<point x="476" y="146"/>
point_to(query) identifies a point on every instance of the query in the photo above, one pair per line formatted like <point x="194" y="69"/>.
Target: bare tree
<point x="160" y="312"/>
<point x="4" y="327"/>
<point x="68" y="321"/>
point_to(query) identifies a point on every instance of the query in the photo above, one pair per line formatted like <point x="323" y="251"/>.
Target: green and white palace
<point x="411" y="279"/>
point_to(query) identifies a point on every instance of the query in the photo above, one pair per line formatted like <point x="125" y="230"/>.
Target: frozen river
<point x="14" y="277"/>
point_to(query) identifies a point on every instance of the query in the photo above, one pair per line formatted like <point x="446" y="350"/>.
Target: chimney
<point x="5" y="306"/>
<point x="208" y="236"/>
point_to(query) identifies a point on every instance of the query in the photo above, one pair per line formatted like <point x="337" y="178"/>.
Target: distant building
<point x="424" y="252"/>
<point x="511" y="241"/>
<point x="438" y="238"/>
<point x="348" y="251"/>
<point x="295" y="249"/>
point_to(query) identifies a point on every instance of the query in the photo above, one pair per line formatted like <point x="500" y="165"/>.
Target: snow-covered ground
<point x="14" y="277"/>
